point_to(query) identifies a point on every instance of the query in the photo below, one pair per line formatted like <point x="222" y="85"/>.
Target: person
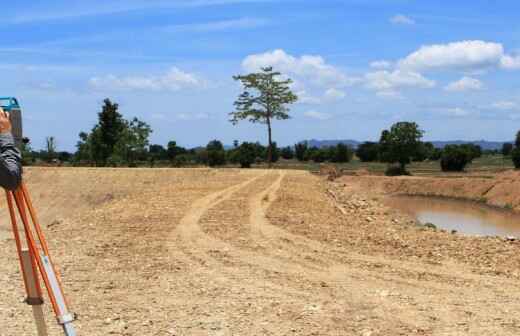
<point x="10" y="156"/>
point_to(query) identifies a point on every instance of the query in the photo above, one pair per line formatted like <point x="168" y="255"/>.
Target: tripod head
<point x="11" y="105"/>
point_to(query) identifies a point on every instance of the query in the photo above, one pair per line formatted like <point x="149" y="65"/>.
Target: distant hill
<point x="485" y="145"/>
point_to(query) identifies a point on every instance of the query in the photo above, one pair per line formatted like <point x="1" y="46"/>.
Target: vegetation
<point x="455" y="158"/>
<point x="400" y="144"/>
<point x="368" y="151"/>
<point x="264" y="99"/>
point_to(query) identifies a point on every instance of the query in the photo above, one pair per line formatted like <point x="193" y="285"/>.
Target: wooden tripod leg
<point x="34" y="298"/>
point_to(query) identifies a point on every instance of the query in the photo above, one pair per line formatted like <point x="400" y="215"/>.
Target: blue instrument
<point x="11" y="105"/>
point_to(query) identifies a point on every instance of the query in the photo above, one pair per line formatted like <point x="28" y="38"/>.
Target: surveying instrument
<point x="35" y="260"/>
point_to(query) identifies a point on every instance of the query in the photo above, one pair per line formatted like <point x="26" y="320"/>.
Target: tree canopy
<point x="264" y="98"/>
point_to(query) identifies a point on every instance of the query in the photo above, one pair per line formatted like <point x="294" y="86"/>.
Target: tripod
<point x="34" y="256"/>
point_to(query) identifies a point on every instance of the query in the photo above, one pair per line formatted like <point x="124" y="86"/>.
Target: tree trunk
<point x="270" y="146"/>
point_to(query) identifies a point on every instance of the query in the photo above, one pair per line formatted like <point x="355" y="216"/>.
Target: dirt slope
<point x="501" y="190"/>
<point x="229" y="252"/>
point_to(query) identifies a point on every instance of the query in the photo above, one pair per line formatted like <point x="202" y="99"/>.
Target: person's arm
<point x="10" y="157"/>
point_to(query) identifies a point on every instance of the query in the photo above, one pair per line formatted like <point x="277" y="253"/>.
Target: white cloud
<point x="381" y="64"/>
<point x="174" y="80"/>
<point x="333" y="94"/>
<point x="196" y="116"/>
<point x="389" y="94"/>
<point x="464" y="84"/>
<point x="305" y="98"/>
<point x="510" y="62"/>
<point x="311" y="68"/>
<point x="386" y="80"/>
<point x="225" y="25"/>
<point x="505" y="105"/>
<point x="463" y="55"/>
<point x="453" y="112"/>
<point x="402" y="19"/>
<point x="317" y="115"/>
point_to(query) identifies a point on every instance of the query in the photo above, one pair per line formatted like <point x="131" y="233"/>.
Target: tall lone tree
<point x="265" y="98"/>
<point x="400" y="143"/>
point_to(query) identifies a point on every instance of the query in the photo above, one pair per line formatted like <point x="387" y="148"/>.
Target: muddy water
<point x="465" y="217"/>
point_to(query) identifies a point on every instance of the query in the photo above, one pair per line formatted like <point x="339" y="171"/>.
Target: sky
<point x="358" y="66"/>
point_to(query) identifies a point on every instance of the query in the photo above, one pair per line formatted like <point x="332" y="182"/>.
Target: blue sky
<point x="358" y="66"/>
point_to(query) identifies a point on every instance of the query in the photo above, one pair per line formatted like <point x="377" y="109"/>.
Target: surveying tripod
<point x="34" y="256"/>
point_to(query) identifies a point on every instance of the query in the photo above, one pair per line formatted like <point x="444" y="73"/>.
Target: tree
<point x="108" y="131"/>
<point x="264" y="99"/>
<point x="368" y="151"/>
<point x="507" y="148"/>
<point x="425" y="151"/>
<point x="515" y="156"/>
<point x="455" y="157"/>
<point x="299" y="151"/>
<point x="287" y="153"/>
<point x="400" y="143"/>
<point x="50" y="148"/>
<point x="341" y="153"/>
<point x="245" y="154"/>
<point x="133" y="142"/>
<point x="216" y="156"/>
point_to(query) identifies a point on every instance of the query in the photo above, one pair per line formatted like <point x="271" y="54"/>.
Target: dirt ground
<point x="255" y="252"/>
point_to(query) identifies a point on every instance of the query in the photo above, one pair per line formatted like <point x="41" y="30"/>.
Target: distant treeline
<point x="117" y="142"/>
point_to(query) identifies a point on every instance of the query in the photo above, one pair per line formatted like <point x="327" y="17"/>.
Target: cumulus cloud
<point x="464" y="55"/>
<point x="317" y="115"/>
<point x="381" y="64"/>
<point x="333" y="94"/>
<point x="388" y="81"/>
<point x="312" y="68"/>
<point x="174" y="80"/>
<point x="464" y="84"/>
<point x="402" y="20"/>
<point x="510" y="62"/>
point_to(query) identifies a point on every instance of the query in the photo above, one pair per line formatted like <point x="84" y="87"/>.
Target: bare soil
<point x="255" y="252"/>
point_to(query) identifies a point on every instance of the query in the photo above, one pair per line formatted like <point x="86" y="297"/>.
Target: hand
<point x="5" y="122"/>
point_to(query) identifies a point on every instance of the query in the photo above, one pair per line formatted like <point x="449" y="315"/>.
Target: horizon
<point x="358" y="67"/>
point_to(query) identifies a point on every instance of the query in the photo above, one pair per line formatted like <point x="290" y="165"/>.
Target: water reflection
<point x="465" y="217"/>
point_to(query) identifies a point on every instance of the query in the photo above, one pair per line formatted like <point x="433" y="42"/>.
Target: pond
<point x="467" y="218"/>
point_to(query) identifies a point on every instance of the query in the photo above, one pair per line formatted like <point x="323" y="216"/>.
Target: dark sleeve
<point x="10" y="163"/>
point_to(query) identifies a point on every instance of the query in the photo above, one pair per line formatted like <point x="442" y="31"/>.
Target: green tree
<point x="245" y="154"/>
<point x="341" y="153"/>
<point x="299" y="151"/>
<point x="287" y="153"/>
<point x="400" y="143"/>
<point x="368" y="151"/>
<point x="507" y="148"/>
<point x="133" y="142"/>
<point x="50" y="149"/>
<point x="264" y="99"/>
<point x="107" y="132"/>
<point x="455" y="157"/>
<point x="216" y="155"/>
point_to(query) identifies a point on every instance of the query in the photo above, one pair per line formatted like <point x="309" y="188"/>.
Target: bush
<point x="515" y="156"/>
<point x="368" y="151"/>
<point x="287" y="153"/>
<point x="300" y="151"/>
<point x="216" y="155"/>
<point x="456" y="158"/>
<point x="507" y="148"/>
<point x="245" y="154"/>
<point x="396" y="171"/>
<point x="341" y="153"/>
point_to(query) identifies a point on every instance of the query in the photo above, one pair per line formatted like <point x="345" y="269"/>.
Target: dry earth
<point x="251" y="252"/>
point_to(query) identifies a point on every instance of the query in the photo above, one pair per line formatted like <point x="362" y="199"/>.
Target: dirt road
<point x="230" y="252"/>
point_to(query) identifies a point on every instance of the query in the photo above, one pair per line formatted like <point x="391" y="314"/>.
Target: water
<point x="466" y="217"/>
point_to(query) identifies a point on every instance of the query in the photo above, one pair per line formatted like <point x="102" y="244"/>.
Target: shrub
<point x="515" y="156"/>
<point x="456" y="158"/>
<point x="287" y="153"/>
<point x="300" y="151"/>
<point x="396" y="171"/>
<point x="245" y="154"/>
<point x="368" y="151"/>
<point x="216" y="156"/>
<point x="341" y="153"/>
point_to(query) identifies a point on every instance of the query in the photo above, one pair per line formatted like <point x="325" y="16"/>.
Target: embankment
<point x="501" y="190"/>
